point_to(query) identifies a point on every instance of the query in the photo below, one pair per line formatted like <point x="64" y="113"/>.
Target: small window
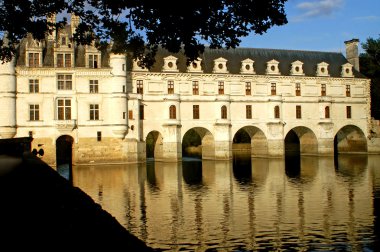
<point x="141" y="110"/>
<point x="273" y="90"/>
<point x="348" y="112"/>
<point x="94" y="86"/>
<point x="323" y="90"/>
<point x="248" y="111"/>
<point x="170" y="87"/>
<point x="34" y="86"/>
<point x="130" y="114"/>
<point x="195" y="111"/>
<point x="298" y="89"/>
<point x="172" y="112"/>
<point x="139" y="85"/>
<point x="123" y="88"/>
<point x="64" y="109"/>
<point x="277" y="112"/>
<point x="248" y="87"/>
<point x="298" y="112"/>
<point x="34" y="112"/>
<point x="195" y="88"/>
<point x="94" y="112"/>
<point x="124" y="115"/>
<point x="348" y="90"/>
<point x="93" y="61"/>
<point x="123" y="67"/>
<point x="327" y="112"/>
<point x="34" y="59"/>
<point x="220" y="87"/>
<point x="65" y="81"/>
<point x="223" y="112"/>
<point x="99" y="136"/>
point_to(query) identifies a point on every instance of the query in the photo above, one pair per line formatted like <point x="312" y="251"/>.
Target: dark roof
<point x="261" y="57"/>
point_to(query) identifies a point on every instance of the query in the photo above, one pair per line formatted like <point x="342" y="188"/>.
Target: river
<point x="292" y="204"/>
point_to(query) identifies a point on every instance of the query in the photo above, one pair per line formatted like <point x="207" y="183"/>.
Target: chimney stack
<point x="352" y="52"/>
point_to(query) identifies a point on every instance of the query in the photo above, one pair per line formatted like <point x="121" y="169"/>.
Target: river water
<point x="292" y="204"/>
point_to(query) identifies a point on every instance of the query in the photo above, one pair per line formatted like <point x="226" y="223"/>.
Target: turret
<point x="7" y="100"/>
<point x="352" y="52"/>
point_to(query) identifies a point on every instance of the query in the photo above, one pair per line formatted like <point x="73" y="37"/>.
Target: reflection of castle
<point x="109" y="107"/>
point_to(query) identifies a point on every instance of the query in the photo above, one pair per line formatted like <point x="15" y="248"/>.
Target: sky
<point x="321" y="25"/>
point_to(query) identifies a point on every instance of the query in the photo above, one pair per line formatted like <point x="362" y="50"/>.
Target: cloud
<point x="311" y="9"/>
<point x="367" y="18"/>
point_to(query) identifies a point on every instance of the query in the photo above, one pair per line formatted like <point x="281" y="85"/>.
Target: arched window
<point x="224" y="112"/>
<point x="327" y="112"/>
<point x="172" y="112"/>
<point x="277" y="112"/>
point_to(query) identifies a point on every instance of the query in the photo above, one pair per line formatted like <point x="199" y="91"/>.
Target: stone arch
<point x="250" y="140"/>
<point x="301" y="140"/>
<point x="154" y="145"/>
<point x="198" y="142"/>
<point x="64" y="155"/>
<point x="350" y="139"/>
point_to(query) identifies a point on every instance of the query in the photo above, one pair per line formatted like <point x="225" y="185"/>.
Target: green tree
<point x="370" y="67"/>
<point x="140" y="26"/>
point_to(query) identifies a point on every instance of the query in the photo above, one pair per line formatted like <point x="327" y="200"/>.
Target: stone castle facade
<point x="106" y="108"/>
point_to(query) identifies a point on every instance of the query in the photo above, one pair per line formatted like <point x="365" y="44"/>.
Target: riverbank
<point x="42" y="210"/>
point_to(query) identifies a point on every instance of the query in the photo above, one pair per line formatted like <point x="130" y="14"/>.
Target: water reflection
<point x="303" y="203"/>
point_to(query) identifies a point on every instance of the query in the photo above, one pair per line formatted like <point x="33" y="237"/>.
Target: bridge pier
<point x="276" y="147"/>
<point x="171" y="143"/>
<point x="326" y="146"/>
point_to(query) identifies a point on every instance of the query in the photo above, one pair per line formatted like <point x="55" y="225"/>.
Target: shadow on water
<point x="350" y="166"/>
<point x="242" y="169"/>
<point x="192" y="171"/>
<point x="151" y="174"/>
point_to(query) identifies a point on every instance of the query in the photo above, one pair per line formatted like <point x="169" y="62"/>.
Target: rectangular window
<point x="93" y="61"/>
<point x="141" y="108"/>
<point x="34" y="86"/>
<point x="348" y="111"/>
<point x="34" y="112"/>
<point x="34" y="59"/>
<point x="273" y="90"/>
<point x="298" y="89"/>
<point x="323" y="90"/>
<point x="64" y="109"/>
<point x="130" y="114"/>
<point x="99" y="136"/>
<point x="94" y="86"/>
<point x="123" y="88"/>
<point x="298" y="112"/>
<point x="248" y="111"/>
<point x="221" y="87"/>
<point x="64" y="60"/>
<point x="65" y="81"/>
<point x="124" y="115"/>
<point x="139" y="85"/>
<point x="170" y="87"/>
<point x="248" y="88"/>
<point x="94" y="111"/>
<point x="195" y="88"/>
<point x="195" y="111"/>
<point x="348" y="90"/>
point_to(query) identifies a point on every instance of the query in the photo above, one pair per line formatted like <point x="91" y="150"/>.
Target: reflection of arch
<point x="350" y="139"/>
<point x="172" y="112"/>
<point x="250" y="140"/>
<point x="198" y="142"/>
<point x="154" y="147"/>
<point x="64" y="155"/>
<point x="192" y="172"/>
<point x="301" y="140"/>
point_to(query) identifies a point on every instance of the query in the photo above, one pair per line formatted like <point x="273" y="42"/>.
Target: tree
<point x="370" y="66"/>
<point x="140" y="26"/>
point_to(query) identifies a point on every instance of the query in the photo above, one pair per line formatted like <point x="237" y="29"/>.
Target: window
<point x="139" y="84"/>
<point x="172" y="112"/>
<point x="99" y="136"/>
<point x="34" y="59"/>
<point x="323" y="90"/>
<point x="223" y="111"/>
<point x="124" y="115"/>
<point x="65" y="81"/>
<point x="348" y="111"/>
<point x="273" y="89"/>
<point x="276" y="112"/>
<point x="64" y="60"/>
<point x="221" y="87"/>
<point x="195" y="88"/>
<point x="170" y="87"/>
<point x="298" y="111"/>
<point x="123" y="88"/>
<point x="298" y="89"/>
<point x="34" y="112"/>
<point x="248" y="87"/>
<point x="348" y="90"/>
<point x="195" y="111"/>
<point x="130" y="114"/>
<point x="141" y="108"/>
<point x="64" y="109"/>
<point x="94" y="86"/>
<point x="33" y="86"/>
<point x="63" y="41"/>
<point x="248" y="111"/>
<point x="94" y="111"/>
<point x="93" y="61"/>
<point x="327" y="112"/>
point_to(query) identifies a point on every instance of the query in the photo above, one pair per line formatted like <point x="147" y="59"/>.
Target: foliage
<point x="370" y="66"/>
<point x="141" y="26"/>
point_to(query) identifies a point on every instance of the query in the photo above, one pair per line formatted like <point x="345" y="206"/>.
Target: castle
<point x="95" y="106"/>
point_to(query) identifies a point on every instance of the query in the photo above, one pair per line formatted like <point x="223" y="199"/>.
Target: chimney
<point x="74" y="22"/>
<point x="352" y="52"/>
<point x="52" y="19"/>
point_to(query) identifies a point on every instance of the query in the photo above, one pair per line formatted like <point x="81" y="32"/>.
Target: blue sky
<point x="321" y="25"/>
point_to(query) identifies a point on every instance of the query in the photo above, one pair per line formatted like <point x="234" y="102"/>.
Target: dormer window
<point x="94" y="61"/>
<point x="347" y="70"/>
<point x="220" y="66"/>
<point x="247" y="67"/>
<point x="170" y="64"/>
<point x="322" y="69"/>
<point x="297" y="68"/>
<point x="34" y="59"/>
<point x="138" y="66"/>
<point x="63" y="60"/>
<point x="33" y="55"/>
<point x="272" y="67"/>
<point x="195" y="66"/>
<point x="64" y="41"/>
